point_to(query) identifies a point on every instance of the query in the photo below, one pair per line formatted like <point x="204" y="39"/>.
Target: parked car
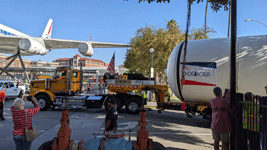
<point x="24" y="86"/>
<point x="12" y="90"/>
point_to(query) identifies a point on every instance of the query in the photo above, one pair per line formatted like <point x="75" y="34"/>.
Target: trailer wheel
<point x="157" y="146"/>
<point x="44" y="102"/>
<point x="133" y="105"/>
<point x="118" y="105"/>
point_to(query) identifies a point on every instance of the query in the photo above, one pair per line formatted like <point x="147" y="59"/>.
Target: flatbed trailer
<point x="66" y="84"/>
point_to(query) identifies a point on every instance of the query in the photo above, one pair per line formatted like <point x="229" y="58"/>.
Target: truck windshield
<point x="60" y="74"/>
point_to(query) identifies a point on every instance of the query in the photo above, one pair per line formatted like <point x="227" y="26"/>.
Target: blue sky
<point x="118" y="20"/>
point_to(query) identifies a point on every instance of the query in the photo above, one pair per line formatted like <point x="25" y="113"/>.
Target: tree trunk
<point x="229" y="21"/>
<point x="206" y="12"/>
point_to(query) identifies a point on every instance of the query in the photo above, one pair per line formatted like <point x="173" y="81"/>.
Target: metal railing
<point x="250" y="120"/>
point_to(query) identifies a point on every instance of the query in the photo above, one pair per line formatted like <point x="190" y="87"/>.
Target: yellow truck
<point x="65" y="87"/>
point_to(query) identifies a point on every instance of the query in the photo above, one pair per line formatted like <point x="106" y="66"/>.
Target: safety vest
<point x="144" y="96"/>
<point x="251" y="120"/>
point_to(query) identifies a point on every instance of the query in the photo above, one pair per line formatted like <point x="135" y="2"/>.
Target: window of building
<point x="12" y="64"/>
<point x="19" y="65"/>
<point x="97" y="63"/>
<point x="5" y="33"/>
<point x="4" y="63"/>
<point x="93" y="63"/>
<point x="26" y="65"/>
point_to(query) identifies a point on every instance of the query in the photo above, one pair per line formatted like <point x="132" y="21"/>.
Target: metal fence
<point x="249" y="128"/>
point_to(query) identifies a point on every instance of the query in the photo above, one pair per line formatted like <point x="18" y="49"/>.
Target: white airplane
<point x="18" y="43"/>
<point x="208" y="65"/>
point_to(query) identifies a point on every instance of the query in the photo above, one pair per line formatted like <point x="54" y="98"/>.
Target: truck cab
<point x="45" y="90"/>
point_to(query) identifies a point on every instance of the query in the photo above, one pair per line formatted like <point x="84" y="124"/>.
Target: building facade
<point x="77" y="59"/>
<point x="16" y="63"/>
<point x="44" y="64"/>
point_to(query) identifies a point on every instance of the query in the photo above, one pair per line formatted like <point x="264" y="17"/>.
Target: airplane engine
<point x="86" y="49"/>
<point x="208" y="65"/>
<point x="32" y="46"/>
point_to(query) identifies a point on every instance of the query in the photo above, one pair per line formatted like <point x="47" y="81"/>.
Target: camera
<point x="29" y="98"/>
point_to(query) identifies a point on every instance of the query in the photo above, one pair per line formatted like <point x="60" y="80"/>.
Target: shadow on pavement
<point x="162" y="126"/>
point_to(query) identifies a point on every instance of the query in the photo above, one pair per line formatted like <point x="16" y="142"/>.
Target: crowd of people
<point x="89" y="88"/>
<point x="253" y="132"/>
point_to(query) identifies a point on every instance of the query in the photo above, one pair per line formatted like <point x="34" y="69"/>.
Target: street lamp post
<point x="152" y="51"/>
<point x="256" y="21"/>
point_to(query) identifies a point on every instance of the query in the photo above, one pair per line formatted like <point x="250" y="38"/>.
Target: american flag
<point x="111" y="66"/>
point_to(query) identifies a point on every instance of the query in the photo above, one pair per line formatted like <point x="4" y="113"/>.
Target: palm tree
<point x="172" y="23"/>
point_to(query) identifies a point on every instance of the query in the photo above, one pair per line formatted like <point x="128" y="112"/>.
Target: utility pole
<point x="233" y="39"/>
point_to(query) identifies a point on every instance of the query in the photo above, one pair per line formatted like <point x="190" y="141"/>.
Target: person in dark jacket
<point x="111" y="117"/>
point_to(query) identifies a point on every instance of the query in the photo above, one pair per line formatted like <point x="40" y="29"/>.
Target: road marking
<point x="74" y="117"/>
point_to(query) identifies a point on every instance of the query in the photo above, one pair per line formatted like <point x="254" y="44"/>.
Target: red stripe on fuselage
<point x="190" y="82"/>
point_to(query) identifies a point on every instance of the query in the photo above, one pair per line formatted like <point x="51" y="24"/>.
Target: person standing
<point x="2" y="103"/>
<point x="19" y="120"/>
<point x="220" y="125"/>
<point x="111" y="117"/>
<point x="100" y="87"/>
<point x="88" y="87"/>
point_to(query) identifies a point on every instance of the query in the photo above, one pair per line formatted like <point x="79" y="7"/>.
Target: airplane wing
<point x="12" y="41"/>
<point x="62" y="44"/>
<point x="9" y="44"/>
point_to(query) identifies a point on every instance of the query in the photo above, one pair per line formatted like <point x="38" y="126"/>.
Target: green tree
<point x="163" y="40"/>
<point x="202" y="33"/>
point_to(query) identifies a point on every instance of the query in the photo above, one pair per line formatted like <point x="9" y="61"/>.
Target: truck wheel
<point x="133" y="105"/>
<point x="118" y="105"/>
<point x="44" y="102"/>
<point x="20" y="94"/>
<point x="157" y="146"/>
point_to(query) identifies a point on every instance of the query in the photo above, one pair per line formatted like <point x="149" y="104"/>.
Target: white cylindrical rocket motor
<point x="208" y="65"/>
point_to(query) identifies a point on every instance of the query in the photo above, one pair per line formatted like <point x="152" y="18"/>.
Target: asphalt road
<point x="170" y="128"/>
